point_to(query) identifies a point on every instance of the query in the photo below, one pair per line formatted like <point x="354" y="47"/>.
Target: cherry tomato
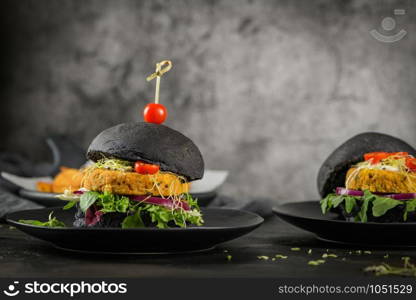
<point x="155" y="113"/>
<point x="144" y="168"/>
<point x="411" y="163"/>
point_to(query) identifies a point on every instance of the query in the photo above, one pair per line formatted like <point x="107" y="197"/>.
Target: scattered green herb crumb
<point x="386" y="256"/>
<point x="229" y="257"/>
<point x="350" y="252"/>
<point x="263" y="257"/>
<point x="408" y="269"/>
<point x="316" y="262"/>
<point x="12" y="227"/>
<point x="273" y="259"/>
<point x="367" y="252"/>
<point x="295" y="249"/>
<point x="326" y="255"/>
<point x="280" y="256"/>
<point x="358" y="252"/>
<point x="310" y="251"/>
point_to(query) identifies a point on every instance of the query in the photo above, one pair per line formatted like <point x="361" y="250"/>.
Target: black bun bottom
<point x="334" y="170"/>
<point x="394" y="215"/>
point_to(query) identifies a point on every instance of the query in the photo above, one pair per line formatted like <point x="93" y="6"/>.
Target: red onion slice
<point x="344" y="191"/>
<point x="403" y="196"/>
<point x="168" y="203"/>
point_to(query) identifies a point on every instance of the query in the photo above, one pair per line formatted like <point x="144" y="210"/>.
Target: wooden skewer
<point x="161" y="68"/>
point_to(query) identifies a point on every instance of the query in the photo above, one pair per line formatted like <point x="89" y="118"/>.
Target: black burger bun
<point x="151" y="143"/>
<point x="333" y="171"/>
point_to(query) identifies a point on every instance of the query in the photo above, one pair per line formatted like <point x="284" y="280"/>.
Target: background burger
<point x="371" y="177"/>
<point x="140" y="178"/>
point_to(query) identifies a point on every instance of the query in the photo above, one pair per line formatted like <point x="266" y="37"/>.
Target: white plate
<point x="211" y="181"/>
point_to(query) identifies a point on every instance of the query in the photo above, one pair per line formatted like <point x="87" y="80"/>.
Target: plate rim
<point x="54" y="194"/>
<point x="46" y="194"/>
<point x="25" y="193"/>
<point x="185" y="252"/>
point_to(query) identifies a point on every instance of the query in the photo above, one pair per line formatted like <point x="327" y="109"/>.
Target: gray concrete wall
<point x="266" y="88"/>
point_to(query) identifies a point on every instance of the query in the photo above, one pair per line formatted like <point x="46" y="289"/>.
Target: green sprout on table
<point x="408" y="269"/>
<point x="316" y="262"/>
<point x="326" y="255"/>
<point x="263" y="257"/>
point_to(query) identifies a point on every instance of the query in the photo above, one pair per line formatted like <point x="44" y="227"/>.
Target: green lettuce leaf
<point x="410" y="207"/>
<point x="379" y="205"/>
<point x="52" y="222"/>
<point x="133" y="221"/>
<point x="161" y="216"/>
<point x="87" y="199"/>
<point x="337" y="200"/>
<point x="350" y="203"/>
<point x="362" y="214"/>
<point x="382" y="205"/>
<point x="324" y="205"/>
<point x="69" y="205"/>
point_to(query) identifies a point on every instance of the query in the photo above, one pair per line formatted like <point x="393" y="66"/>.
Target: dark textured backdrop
<point x="266" y="88"/>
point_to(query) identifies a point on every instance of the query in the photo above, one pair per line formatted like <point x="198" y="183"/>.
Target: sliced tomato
<point x="144" y="168"/>
<point x="400" y="154"/>
<point x="376" y="157"/>
<point x="411" y="163"/>
<point x="369" y="156"/>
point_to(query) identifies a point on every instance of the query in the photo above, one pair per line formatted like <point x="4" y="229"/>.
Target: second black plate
<point x="308" y="216"/>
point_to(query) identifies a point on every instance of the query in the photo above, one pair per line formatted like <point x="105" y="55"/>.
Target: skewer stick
<point x="157" y="89"/>
<point x="158" y="73"/>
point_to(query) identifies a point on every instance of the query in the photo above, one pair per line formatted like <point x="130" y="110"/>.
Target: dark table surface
<point x="24" y="256"/>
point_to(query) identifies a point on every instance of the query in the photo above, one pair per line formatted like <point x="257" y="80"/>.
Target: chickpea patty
<point x="380" y="181"/>
<point x="132" y="183"/>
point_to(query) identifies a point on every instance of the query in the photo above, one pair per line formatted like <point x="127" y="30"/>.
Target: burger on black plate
<point x="370" y="178"/>
<point x="140" y="178"/>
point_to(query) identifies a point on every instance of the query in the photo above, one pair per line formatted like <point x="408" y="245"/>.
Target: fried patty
<point x="67" y="179"/>
<point x="132" y="183"/>
<point x="380" y="181"/>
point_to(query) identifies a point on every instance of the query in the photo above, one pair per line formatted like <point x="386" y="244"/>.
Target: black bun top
<point x="333" y="171"/>
<point x="151" y="143"/>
